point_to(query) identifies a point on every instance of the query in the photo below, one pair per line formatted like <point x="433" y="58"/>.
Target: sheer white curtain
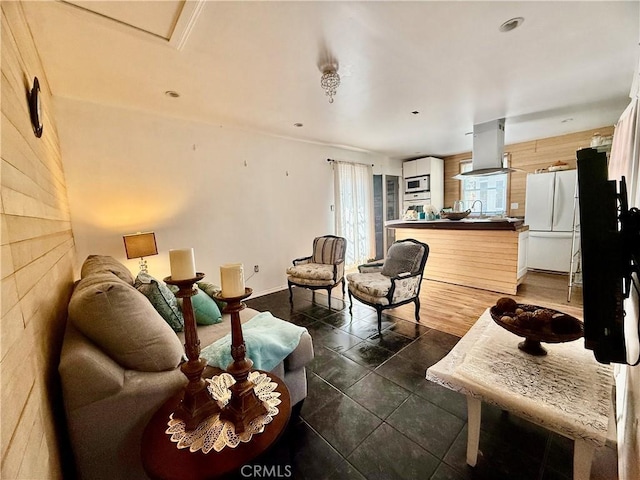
<point x="625" y="151"/>
<point x="625" y="160"/>
<point x="353" y="187"/>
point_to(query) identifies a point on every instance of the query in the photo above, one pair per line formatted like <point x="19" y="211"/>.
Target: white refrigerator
<point x="549" y="212"/>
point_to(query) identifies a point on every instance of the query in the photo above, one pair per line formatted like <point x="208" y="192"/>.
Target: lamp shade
<point x="140" y="244"/>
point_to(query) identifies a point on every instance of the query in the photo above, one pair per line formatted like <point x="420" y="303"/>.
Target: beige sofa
<point x="120" y="362"/>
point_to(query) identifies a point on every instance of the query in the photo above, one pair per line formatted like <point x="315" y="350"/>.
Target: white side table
<point x="566" y="391"/>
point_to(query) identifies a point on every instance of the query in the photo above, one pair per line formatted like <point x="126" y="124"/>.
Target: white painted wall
<point x="232" y="195"/>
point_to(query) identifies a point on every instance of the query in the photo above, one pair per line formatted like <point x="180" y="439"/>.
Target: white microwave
<point x="417" y="184"/>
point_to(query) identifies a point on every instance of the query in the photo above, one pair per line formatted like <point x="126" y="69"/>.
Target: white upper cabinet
<point x="410" y="169"/>
<point x="432" y="166"/>
<point x="418" y="167"/>
<point x="424" y="166"/>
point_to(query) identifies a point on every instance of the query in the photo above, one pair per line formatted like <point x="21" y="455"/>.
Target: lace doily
<point x="216" y="434"/>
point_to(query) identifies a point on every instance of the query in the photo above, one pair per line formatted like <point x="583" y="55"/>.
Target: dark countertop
<point x="464" y="224"/>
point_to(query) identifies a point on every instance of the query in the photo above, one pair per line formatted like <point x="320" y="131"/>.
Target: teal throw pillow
<point x="212" y="290"/>
<point x="162" y="300"/>
<point x="205" y="309"/>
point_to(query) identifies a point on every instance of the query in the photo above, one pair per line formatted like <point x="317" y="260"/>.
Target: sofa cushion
<point x="208" y="334"/>
<point x="162" y="299"/>
<point x="122" y="322"/>
<point x="104" y="263"/>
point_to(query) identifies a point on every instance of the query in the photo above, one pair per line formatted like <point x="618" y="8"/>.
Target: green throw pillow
<point x="205" y="309"/>
<point x="212" y="290"/>
<point x="162" y="300"/>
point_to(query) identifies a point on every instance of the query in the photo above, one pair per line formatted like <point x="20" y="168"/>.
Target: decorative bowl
<point x="551" y="326"/>
<point x="456" y="215"/>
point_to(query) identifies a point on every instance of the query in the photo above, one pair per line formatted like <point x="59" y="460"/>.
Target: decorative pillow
<point x="402" y="257"/>
<point x="122" y="322"/>
<point x="205" y="309"/>
<point x="162" y="300"/>
<point x="105" y="263"/>
<point x="212" y="290"/>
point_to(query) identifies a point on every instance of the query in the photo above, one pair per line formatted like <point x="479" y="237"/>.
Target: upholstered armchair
<point x="392" y="282"/>
<point x="324" y="269"/>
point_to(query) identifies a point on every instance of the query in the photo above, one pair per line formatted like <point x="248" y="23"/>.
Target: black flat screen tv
<point x="610" y="244"/>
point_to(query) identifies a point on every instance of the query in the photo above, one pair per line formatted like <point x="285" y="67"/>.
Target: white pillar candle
<point x="232" y="280"/>
<point x="183" y="264"/>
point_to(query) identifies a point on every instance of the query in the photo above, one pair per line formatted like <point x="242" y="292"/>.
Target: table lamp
<point x="140" y="245"/>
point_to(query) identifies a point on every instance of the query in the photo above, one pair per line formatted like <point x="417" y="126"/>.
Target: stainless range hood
<point x="488" y="150"/>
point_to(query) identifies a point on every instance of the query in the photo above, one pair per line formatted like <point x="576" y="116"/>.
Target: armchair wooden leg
<point x="417" y="302"/>
<point x="350" y="303"/>
<point x="290" y="294"/>
<point x="329" y="295"/>
<point x="379" y="311"/>
<point x="342" y="287"/>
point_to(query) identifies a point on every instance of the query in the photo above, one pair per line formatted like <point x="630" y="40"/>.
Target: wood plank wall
<point x="38" y="255"/>
<point x="527" y="156"/>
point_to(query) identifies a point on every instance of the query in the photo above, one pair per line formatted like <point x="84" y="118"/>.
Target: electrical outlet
<point x="256" y="268"/>
<point x="514" y="206"/>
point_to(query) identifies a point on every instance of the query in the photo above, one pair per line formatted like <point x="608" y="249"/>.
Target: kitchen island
<point x="490" y="254"/>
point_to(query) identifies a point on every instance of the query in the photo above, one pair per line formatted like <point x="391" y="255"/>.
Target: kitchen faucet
<point x="474" y="202"/>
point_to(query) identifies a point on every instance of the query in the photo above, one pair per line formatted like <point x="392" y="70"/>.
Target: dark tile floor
<point x="371" y="414"/>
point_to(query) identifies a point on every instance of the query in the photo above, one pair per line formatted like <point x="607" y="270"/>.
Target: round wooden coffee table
<point x="162" y="459"/>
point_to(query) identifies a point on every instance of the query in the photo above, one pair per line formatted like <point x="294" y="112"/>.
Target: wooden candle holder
<point x="196" y="404"/>
<point x="244" y="405"/>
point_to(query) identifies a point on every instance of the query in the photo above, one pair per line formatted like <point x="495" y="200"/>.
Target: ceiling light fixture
<point x="511" y="24"/>
<point x="330" y="80"/>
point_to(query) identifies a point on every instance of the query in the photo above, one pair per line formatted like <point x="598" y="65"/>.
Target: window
<point x="491" y="190"/>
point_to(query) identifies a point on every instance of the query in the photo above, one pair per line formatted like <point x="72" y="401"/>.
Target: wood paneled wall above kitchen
<point x="527" y="156"/>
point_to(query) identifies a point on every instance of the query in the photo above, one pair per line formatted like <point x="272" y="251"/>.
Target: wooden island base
<point x="491" y="259"/>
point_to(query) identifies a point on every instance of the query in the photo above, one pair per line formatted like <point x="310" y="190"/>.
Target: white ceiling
<point x="255" y="65"/>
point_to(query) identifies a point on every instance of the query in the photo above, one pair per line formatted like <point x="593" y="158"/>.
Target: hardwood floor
<point x="454" y="309"/>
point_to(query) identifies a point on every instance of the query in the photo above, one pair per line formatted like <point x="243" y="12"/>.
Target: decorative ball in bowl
<point x="456" y="215"/>
<point x="536" y="324"/>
